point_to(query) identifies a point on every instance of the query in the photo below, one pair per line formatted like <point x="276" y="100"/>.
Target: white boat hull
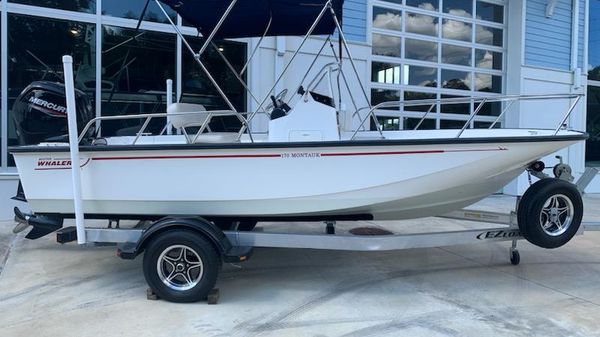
<point x="380" y="179"/>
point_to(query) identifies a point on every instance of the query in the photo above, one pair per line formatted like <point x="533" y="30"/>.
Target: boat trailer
<point x="235" y="246"/>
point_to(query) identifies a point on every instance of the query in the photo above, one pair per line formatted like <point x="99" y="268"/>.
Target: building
<point x="405" y="50"/>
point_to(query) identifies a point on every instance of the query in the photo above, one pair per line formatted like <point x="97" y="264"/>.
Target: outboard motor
<point x="40" y="113"/>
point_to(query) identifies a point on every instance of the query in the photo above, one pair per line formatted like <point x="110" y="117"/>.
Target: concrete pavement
<point x="49" y="289"/>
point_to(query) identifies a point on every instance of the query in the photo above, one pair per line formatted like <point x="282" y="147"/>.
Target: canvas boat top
<point x="251" y="18"/>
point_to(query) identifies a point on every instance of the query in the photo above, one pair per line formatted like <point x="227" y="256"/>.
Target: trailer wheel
<point x="550" y="213"/>
<point x="181" y="266"/>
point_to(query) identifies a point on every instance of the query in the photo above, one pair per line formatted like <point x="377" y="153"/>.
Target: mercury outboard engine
<point x="40" y="113"/>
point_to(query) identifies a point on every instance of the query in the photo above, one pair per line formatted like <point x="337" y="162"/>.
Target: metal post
<point x="425" y="115"/>
<point x="310" y="30"/>
<point x="169" y="102"/>
<point x="235" y="73"/>
<point x="206" y="72"/>
<point x="362" y="87"/>
<point x="196" y="57"/>
<point x="74" y="147"/>
<point x="471" y="118"/>
<point x="567" y="115"/>
<point x="257" y="46"/>
<point x="502" y="114"/>
<point x="219" y="24"/>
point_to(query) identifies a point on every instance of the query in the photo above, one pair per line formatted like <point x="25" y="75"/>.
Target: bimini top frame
<point x="260" y="18"/>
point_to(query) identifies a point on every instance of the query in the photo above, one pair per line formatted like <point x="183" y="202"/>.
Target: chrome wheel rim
<point x="179" y="267"/>
<point x="556" y="215"/>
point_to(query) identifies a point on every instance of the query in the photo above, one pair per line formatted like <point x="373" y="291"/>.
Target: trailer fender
<point x="198" y="225"/>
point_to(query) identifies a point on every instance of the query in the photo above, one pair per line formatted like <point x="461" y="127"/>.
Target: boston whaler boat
<point x="314" y="163"/>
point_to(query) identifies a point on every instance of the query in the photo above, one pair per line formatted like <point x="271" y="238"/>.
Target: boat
<point x="319" y="161"/>
<point x="314" y="162"/>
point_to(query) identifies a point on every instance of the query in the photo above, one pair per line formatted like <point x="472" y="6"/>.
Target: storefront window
<point x="132" y="9"/>
<point x="198" y="89"/>
<point x="35" y="50"/>
<point x="592" y="149"/>
<point x="447" y="48"/>
<point x="594" y="41"/>
<point x="136" y="66"/>
<point x="86" y="6"/>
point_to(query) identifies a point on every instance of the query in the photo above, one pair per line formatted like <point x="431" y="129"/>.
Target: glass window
<point x="490" y="12"/>
<point x="489" y="35"/>
<point x="431" y="5"/>
<point x="198" y="89"/>
<point x="386" y="18"/>
<point x="490" y="109"/>
<point x="421" y="50"/>
<point x="453" y="79"/>
<point x="421" y="24"/>
<point x="394" y="1"/>
<point x="385" y="73"/>
<point x="383" y="95"/>
<point x="488" y="59"/>
<point x="35" y="50"/>
<point x="456" y="108"/>
<point x="592" y="149"/>
<point x="488" y="83"/>
<point x="594" y="41"/>
<point x="386" y="45"/>
<point x="414" y="96"/>
<point x="389" y="123"/>
<point x="87" y="6"/>
<point x="452" y="47"/>
<point x="458" y="7"/>
<point x="132" y="81"/>
<point x="132" y="9"/>
<point x="420" y="76"/>
<point x="459" y="55"/>
<point x="451" y="124"/>
<point x="411" y="123"/>
<point x="457" y="30"/>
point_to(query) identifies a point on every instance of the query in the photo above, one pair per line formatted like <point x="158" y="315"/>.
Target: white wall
<point x="276" y="53"/>
<point x="548" y="114"/>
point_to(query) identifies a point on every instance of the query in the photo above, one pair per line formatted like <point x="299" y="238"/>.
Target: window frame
<point x="439" y="65"/>
<point x="99" y="20"/>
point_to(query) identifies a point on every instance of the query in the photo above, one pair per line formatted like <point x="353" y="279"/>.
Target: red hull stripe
<point x="341" y="154"/>
<point x="193" y="157"/>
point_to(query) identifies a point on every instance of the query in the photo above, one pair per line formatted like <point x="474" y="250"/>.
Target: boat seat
<point x="196" y="115"/>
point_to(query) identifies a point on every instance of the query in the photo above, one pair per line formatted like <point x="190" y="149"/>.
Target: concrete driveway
<point x="47" y="289"/>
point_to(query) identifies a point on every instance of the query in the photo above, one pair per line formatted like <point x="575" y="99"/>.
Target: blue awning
<point x="250" y="18"/>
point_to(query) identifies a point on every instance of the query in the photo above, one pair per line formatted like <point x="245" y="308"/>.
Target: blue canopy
<point x="250" y="18"/>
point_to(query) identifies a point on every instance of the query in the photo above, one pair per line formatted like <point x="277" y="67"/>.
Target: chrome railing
<point x="148" y="118"/>
<point x="509" y="99"/>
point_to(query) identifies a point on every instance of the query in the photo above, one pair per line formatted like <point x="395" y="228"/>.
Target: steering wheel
<point x="277" y="101"/>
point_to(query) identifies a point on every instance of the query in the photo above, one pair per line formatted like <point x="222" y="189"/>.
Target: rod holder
<point x="74" y="147"/>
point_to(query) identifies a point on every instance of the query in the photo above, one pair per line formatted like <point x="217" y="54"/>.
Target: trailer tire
<point x="550" y="212"/>
<point x="181" y="266"/>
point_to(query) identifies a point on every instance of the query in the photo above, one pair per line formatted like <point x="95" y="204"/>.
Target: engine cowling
<point x="40" y="113"/>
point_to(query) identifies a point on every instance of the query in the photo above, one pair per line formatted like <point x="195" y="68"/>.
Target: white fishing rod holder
<point x="74" y="147"/>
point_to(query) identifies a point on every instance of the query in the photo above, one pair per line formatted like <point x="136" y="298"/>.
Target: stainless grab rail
<point x="482" y="100"/>
<point x="149" y="117"/>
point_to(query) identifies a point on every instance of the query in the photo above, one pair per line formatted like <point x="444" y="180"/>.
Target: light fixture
<point x="221" y="49"/>
<point x="74" y="32"/>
